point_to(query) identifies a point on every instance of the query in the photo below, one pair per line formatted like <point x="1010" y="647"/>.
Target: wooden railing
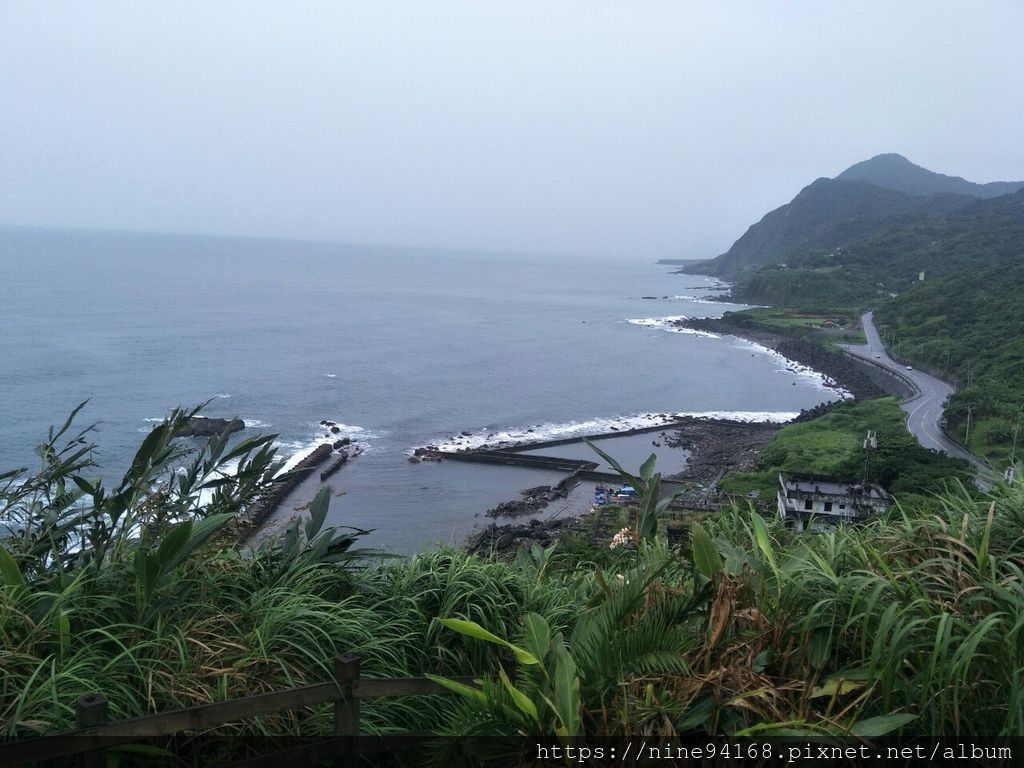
<point x="95" y="734"/>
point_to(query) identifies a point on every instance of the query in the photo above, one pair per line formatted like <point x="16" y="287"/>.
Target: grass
<point x="912" y="623"/>
<point x="807" y="323"/>
<point x="832" y="445"/>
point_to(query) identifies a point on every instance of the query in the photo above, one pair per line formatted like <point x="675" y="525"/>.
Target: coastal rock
<point x="201" y="426"/>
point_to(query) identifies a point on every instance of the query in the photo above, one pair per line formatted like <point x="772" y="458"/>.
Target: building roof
<point x="827" y="486"/>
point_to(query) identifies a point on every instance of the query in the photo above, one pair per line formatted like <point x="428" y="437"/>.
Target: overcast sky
<point x="637" y="129"/>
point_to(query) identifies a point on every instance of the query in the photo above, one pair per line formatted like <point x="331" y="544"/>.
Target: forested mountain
<point x="893" y="171"/>
<point x="944" y="272"/>
<point x="867" y="200"/>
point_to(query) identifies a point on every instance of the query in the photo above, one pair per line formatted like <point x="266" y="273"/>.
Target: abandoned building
<point x="806" y="501"/>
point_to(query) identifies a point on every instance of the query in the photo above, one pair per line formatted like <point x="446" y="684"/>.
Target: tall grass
<point x="911" y="622"/>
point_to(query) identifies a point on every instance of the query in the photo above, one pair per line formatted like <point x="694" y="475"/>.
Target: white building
<point x="806" y="501"/>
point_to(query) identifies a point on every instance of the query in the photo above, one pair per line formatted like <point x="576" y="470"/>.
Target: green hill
<point x="893" y="171"/>
<point x="846" y="244"/>
<point x="868" y="200"/>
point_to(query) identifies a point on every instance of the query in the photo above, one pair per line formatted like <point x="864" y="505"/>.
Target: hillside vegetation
<point x="909" y="625"/>
<point x="842" y="249"/>
<point x="832" y="444"/>
<point x="869" y="202"/>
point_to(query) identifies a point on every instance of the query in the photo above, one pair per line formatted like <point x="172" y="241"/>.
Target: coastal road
<point x="925" y="408"/>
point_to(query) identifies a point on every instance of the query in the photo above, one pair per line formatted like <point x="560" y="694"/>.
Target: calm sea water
<point x="402" y="347"/>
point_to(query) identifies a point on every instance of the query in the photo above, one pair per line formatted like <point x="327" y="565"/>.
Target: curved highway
<point x="925" y="408"/>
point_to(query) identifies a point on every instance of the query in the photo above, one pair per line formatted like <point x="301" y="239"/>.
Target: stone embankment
<point x="261" y="511"/>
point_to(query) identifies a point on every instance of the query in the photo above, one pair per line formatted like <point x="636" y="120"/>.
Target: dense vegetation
<point x="832" y="444"/>
<point x="912" y="623"/>
<point x="864" y="239"/>
<point x="871" y="200"/>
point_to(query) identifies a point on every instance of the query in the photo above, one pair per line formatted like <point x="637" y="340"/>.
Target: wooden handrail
<point x="345" y="692"/>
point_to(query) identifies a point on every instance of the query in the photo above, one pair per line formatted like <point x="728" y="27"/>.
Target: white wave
<point x="155" y="420"/>
<point x="256" y="424"/>
<point x="222" y="395"/>
<point x="330" y="375"/>
<point x="748" y="417"/>
<point x="824" y="382"/>
<point x="297" y="450"/>
<point x="668" y="324"/>
<point x="504" y="438"/>
<point x="700" y="300"/>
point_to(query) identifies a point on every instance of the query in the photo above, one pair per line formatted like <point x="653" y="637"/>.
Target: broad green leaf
<point x="635" y="482"/>
<point x="466" y="691"/>
<point x="696" y="715"/>
<point x="777" y="730"/>
<point x="874" y="727"/>
<point x="9" y="569"/>
<point x="318" y="512"/>
<point x="538" y="635"/>
<point x="764" y="542"/>
<point x="647" y="522"/>
<point x="202" y="531"/>
<point x="173" y="542"/>
<point x="147" y="572"/>
<point x="706" y="559"/>
<point x="566" y="691"/>
<point x="84" y="484"/>
<point x="835" y="687"/>
<point x="472" y="629"/>
<point x="647" y="468"/>
<point x="520" y="699"/>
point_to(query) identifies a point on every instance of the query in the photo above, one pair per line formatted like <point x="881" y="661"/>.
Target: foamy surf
<point x="668" y="324"/>
<point x="702" y="300"/>
<point x="799" y="369"/>
<point x="512" y="436"/>
<point x="298" y="450"/>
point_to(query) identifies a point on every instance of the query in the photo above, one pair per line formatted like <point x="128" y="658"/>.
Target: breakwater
<point x="270" y="501"/>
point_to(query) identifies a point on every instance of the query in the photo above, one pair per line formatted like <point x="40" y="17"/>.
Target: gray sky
<point x="639" y="129"/>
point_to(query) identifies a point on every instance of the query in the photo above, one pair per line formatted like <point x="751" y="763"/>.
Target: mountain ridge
<point x="863" y="201"/>
<point x="894" y="171"/>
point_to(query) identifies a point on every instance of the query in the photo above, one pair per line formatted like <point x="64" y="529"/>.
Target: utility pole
<point x="870" y="444"/>
<point x="967" y="432"/>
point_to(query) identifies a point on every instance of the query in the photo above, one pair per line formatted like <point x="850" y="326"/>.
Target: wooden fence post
<point x="91" y="711"/>
<point x="346" y="710"/>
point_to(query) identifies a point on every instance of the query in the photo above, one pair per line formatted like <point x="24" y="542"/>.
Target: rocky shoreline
<point x="716" y="446"/>
<point x="838" y="367"/>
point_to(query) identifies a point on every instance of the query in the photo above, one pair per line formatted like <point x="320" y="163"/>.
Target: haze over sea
<point x="402" y="347"/>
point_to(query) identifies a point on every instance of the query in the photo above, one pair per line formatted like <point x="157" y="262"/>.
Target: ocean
<point x="401" y="347"/>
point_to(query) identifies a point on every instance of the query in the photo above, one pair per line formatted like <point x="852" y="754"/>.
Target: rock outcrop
<point x="201" y="426"/>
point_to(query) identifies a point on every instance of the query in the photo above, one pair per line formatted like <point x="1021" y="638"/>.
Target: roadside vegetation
<point x="831" y="444"/>
<point x="911" y="623"/>
<point x="962" y="322"/>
